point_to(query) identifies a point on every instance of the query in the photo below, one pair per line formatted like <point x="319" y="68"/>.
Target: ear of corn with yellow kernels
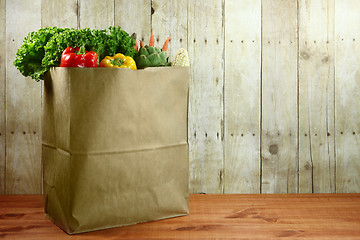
<point x="181" y="58"/>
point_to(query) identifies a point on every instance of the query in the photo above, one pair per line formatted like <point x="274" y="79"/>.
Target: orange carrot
<point x="152" y="41"/>
<point x="166" y="43"/>
<point x="141" y="44"/>
<point x="136" y="47"/>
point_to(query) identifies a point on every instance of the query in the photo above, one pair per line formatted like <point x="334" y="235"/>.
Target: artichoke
<point x="149" y="56"/>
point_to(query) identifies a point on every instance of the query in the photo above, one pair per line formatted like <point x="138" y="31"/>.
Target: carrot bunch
<point x="152" y="43"/>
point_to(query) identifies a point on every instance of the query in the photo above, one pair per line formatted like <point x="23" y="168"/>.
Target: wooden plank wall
<point x="206" y="48"/>
<point x="316" y="96"/>
<point x="242" y="96"/>
<point x="347" y="95"/>
<point x="274" y="102"/>
<point x="22" y="104"/>
<point x="279" y="140"/>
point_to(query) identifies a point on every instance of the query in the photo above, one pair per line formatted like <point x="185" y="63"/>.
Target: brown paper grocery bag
<point x="115" y="148"/>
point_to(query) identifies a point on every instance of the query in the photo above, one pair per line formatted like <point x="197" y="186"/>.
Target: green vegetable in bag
<point x="30" y="55"/>
<point x="149" y="56"/>
<point x="42" y="49"/>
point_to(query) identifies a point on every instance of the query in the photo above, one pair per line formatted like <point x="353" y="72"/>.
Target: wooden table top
<point x="212" y="216"/>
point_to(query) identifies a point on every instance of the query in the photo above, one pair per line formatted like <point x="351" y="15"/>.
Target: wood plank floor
<point x="291" y="216"/>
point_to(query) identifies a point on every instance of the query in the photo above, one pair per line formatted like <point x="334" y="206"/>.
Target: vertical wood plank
<point x="134" y="17"/>
<point x="23" y="104"/>
<point x="2" y="94"/>
<point x="206" y="50"/>
<point x="279" y="97"/>
<point x="170" y="17"/>
<point x="96" y="14"/>
<point x="347" y="95"/>
<point x="316" y="96"/>
<point x="55" y="13"/>
<point x="242" y="96"/>
<point x="59" y="13"/>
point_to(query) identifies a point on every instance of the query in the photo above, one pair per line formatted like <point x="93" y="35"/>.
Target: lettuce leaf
<point x="120" y="42"/>
<point x="29" y="56"/>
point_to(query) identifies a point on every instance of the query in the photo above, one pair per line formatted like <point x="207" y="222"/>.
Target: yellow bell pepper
<point x="118" y="61"/>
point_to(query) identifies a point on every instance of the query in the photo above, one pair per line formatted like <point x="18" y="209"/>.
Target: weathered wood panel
<point x="242" y="96"/>
<point x="53" y="13"/>
<point x="206" y="50"/>
<point x="96" y="14"/>
<point x="134" y="17"/>
<point x="279" y="97"/>
<point x="258" y="116"/>
<point x="59" y="13"/>
<point x="23" y="104"/>
<point x="347" y="95"/>
<point x="316" y="96"/>
<point x="170" y="18"/>
<point x="2" y="95"/>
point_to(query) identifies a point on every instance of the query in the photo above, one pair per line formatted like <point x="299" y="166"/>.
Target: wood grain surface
<point x="316" y="97"/>
<point x="212" y="216"/>
<point x="206" y="48"/>
<point x="103" y="17"/>
<point x="347" y="96"/>
<point x="56" y="13"/>
<point x="23" y="105"/>
<point x="279" y="120"/>
<point x="242" y="96"/>
<point x="134" y="17"/>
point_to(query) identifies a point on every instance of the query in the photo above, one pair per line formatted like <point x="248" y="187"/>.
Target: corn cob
<point x="181" y="58"/>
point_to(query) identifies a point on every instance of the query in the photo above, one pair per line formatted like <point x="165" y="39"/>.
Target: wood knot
<point x="325" y="59"/>
<point x="304" y="55"/>
<point x="273" y="149"/>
